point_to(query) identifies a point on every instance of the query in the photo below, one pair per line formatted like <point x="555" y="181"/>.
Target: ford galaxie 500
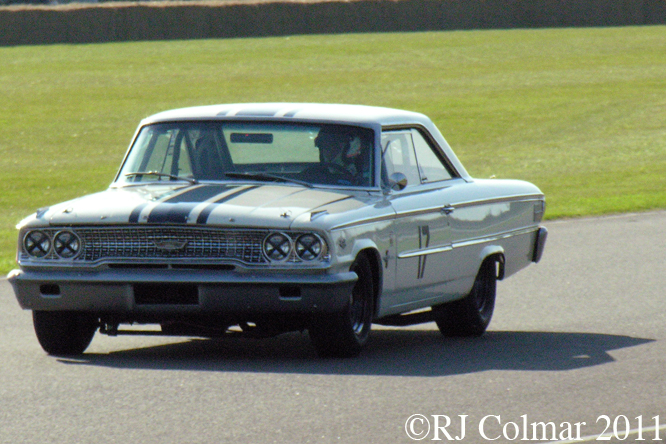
<point x="266" y="218"/>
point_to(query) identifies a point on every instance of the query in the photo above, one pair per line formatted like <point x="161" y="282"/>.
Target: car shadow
<point x="400" y="352"/>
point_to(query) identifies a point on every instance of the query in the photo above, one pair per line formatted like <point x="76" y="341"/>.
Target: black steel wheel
<point x="471" y="315"/>
<point x="344" y="335"/>
<point x="63" y="333"/>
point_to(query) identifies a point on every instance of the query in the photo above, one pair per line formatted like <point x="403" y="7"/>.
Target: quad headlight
<point x="66" y="244"/>
<point x="37" y="243"/>
<point x="308" y="247"/>
<point x="294" y="247"/>
<point x="277" y="246"/>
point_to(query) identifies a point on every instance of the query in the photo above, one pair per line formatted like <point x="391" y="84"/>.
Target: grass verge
<point x="579" y="112"/>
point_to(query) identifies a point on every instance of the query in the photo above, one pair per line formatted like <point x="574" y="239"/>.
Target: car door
<point x="421" y="228"/>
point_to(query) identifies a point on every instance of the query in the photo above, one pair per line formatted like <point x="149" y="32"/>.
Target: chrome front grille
<point x="169" y="242"/>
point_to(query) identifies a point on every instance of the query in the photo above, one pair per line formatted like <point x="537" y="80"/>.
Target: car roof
<point x="353" y="114"/>
<point x="311" y="112"/>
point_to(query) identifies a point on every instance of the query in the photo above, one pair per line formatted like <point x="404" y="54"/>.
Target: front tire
<point x="345" y="334"/>
<point x="471" y="315"/>
<point x="63" y="333"/>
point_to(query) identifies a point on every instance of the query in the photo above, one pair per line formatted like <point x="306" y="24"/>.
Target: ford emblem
<point x="170" y="245"/>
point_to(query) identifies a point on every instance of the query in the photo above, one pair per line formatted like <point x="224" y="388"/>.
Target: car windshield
<point x="305" y="154"/>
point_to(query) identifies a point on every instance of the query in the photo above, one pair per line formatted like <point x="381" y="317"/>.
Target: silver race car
<point x="258" y="219"/>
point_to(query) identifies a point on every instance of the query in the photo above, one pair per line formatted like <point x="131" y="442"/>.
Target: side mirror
<point x="398" y="181"/>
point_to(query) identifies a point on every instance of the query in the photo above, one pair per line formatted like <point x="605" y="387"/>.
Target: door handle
<point x="448" y="209"/>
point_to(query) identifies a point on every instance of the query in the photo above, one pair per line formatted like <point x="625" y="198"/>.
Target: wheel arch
<point x="494" y="253"/>
<point x="374" y="258"/>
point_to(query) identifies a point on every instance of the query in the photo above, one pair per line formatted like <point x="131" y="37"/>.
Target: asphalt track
<point x="579" y="337"/>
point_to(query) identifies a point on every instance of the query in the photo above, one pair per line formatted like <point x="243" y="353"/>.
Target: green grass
<point x="579" y="112"/>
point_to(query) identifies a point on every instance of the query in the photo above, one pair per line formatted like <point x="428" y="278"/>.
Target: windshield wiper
<point x="158" y="174"/>
<point x="265" y="177"/>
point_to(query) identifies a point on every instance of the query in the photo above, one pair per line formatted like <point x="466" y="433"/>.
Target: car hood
<point x="243" y="205"/>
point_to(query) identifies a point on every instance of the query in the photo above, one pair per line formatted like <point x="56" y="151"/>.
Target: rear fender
<point x="495" y="253"/>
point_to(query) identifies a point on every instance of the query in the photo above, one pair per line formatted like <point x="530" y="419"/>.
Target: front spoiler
<point x="212" y="292"/>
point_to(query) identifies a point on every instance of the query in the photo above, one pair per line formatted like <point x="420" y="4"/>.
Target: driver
<point x="341" y="148"/>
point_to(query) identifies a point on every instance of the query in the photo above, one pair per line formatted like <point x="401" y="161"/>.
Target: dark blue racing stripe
<point x="292" y="113"/>
<point x="199" y="194"/>
<point x="225" y="111"/>
<point x="203" y="216"/>
<point x="174" y="213"/>
<point x="136" y="212"/>
<point x="176" y="209"/>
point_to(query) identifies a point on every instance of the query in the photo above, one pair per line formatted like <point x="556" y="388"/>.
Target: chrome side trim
<point x="499" y="236"/>
<point x="516" y="198"/>
<point x="440" y="209"/>
<point x="467" y="243"/>
<point x="408" y="254"/>
<point x="370" y="220"/>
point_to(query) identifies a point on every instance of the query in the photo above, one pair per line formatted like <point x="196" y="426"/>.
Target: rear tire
<point x="64" y="332"/>
<point x="471" y="315"/>
<point x="344" y="335"/>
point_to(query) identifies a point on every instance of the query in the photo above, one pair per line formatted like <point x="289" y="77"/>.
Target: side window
<point x="431" y="168"/>
<point x="399" y="156"/>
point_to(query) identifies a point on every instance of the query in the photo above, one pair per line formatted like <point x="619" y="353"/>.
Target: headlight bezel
<point x="305" y="252"/>
<point x="269" y="247"/>
<point x="300" y="246"/>
<point x="59" y="245"/>
<point x="74" y="238"/>
<point x="30" y="248"/>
